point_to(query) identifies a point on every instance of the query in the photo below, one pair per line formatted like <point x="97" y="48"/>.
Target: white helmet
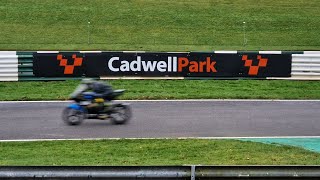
<point x="87" y="81"/>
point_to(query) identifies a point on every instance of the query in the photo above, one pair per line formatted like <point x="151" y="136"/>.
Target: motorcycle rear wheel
<point x="72" y="117"/>
<point x="121" y="114"/>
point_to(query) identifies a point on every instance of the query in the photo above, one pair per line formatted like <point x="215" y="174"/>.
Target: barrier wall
<point x="161" y="64"/>
<point x="306" y="66"/>
<point x="8" y="66"/>
<point x="16" y="65"/>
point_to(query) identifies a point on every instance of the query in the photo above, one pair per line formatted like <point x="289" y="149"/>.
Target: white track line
<point x="169" y="138"/>
<point x="181" y="100"/>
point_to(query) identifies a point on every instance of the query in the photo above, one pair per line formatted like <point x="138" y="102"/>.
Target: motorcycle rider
<point x="102" y="91"/>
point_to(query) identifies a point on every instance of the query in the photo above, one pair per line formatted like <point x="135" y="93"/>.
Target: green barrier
<point x="25" y="65"/>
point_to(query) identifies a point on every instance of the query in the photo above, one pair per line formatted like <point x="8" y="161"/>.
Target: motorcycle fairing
<point x="76" y="106"/>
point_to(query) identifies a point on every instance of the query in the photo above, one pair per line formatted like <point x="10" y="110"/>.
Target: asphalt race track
<point x="154" y="119"/>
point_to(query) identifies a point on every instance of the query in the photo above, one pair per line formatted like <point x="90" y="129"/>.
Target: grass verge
<point x="170" y="89"/>
<point x="153" y="152"/>
<point x="153" y="25"/>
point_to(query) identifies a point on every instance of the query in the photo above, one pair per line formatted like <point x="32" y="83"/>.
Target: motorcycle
<point x="87" y="105"/>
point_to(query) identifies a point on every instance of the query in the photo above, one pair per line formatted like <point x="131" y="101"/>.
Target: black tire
<point x="72" y="116"/>
<point x="121" y="114"/>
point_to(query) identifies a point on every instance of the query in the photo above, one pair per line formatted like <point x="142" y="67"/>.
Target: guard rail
<point x="160" y="172"/>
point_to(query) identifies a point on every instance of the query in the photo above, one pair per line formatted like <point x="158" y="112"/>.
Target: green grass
<point x="153" y="152"/>
<point x="159" y="25"/>
<point x="165" y="25"/>
<point x="170" y="89"/>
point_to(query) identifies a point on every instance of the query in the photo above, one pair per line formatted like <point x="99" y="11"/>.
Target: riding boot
<point x="102" y="114"/>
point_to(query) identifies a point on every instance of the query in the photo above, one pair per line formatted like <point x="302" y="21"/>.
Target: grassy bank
<point x="153" y="152"/>
<point x="153" y="25"/>
<point x="170" y="89"/>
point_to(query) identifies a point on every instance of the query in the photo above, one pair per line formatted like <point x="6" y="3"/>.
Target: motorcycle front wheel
<point x="120" y="114"/>
<point x="72" y="117"/>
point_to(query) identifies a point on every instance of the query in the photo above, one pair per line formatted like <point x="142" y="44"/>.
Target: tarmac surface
<point x="167" y="119"/>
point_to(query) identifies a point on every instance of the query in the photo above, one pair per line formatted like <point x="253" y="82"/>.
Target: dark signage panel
<point x="194" y="64"/>
<point x="59" y="65"/>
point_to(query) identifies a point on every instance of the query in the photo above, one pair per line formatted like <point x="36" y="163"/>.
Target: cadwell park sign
<point x="161" y="64"/>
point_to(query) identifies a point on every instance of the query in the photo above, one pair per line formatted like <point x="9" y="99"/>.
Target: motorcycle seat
<point x="117" y="92"/>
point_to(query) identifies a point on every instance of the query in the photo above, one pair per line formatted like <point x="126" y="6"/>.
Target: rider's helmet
<point x="87" y="81"/>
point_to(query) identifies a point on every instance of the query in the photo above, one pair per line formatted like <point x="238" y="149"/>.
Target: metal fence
<point x="160" y="172"/>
